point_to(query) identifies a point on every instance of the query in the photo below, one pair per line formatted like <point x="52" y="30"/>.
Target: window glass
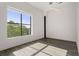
<point x="18" y="24"/>
<point x="25" y="19"/>
<point x="26" y="29"/>
<point x="13" y="16"/>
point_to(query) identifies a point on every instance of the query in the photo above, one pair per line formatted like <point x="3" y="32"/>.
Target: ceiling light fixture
<point x="50" y="3"/>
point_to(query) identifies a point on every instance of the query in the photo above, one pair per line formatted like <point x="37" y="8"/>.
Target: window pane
<point x="25" y="19"/>
<point x="13" y="30"/>
<point x="25" y="29"/>
<point x="13" y="23"/>
<point x="13" y="16"/>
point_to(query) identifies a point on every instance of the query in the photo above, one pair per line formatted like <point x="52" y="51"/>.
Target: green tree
<point x="11" y="22"/>
<point x="25" y="31"/>
<point x="14" y="30"/>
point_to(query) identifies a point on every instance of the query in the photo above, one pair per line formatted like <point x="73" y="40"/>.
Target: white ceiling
<point x="45" y="5"/>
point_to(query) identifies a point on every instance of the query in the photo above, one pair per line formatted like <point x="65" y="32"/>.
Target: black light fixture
<point x="59" y="2"/>
<point x="50" y="3"/>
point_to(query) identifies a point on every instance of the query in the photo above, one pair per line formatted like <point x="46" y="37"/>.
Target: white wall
<point x="37" y="25"/>
<point x="61" y="22"/>
<point x="78" y="26"/>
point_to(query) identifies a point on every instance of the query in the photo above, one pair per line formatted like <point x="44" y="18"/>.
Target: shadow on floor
<point x="41" y="49"/>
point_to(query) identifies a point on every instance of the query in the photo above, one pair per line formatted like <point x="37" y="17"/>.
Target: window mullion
<point x="21" y="23"/>
<point x="30" y="24"/>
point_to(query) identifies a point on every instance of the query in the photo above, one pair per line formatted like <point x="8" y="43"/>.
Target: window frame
<point x="21" y="12"/>
<point x="25" y="24"/>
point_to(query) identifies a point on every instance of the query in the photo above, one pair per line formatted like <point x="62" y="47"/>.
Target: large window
<point x="18" y="23"/>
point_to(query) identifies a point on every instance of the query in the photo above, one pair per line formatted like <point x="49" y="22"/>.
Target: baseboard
<point x="59" y="39"/>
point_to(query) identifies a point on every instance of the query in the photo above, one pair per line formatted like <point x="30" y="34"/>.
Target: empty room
<point x="39" y="28"/>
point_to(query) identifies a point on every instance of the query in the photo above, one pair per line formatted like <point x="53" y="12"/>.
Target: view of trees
<point x="18" y="23"/>
<point x="14" y="29"/>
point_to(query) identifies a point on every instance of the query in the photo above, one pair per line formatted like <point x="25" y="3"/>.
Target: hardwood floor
<point x="43" y="47"/>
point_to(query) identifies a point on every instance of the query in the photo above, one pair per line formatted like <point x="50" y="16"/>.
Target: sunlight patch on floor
<point x="38" y="46"/>
<point x="27" y="51"/>
<point x="55" y="51"/>
<point x="41" y="54"/>
<point x="34" y="48"/>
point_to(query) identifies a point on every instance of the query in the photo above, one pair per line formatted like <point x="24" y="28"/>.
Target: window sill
<point x="19" y="36"/>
